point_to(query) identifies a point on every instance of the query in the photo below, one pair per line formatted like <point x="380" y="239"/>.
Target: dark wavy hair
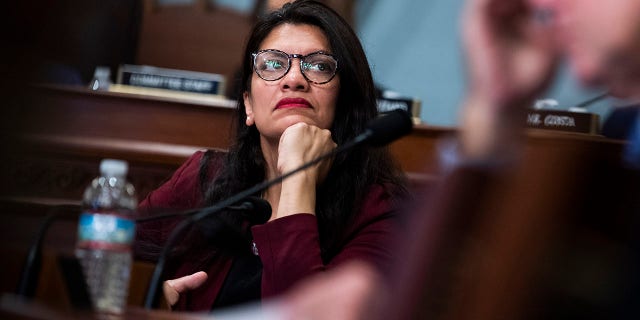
<point x="341" y="194"/>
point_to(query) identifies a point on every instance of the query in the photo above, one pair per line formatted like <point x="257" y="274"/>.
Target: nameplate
<point x="410" y="105"/>
<point x="171" y="79"/>
<point x="579" y="122"/>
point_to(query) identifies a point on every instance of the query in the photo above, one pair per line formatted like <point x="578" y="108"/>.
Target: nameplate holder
<point x="171" y="79"/>
<point x="407" y="104"/>
<point x="567" y="121"/>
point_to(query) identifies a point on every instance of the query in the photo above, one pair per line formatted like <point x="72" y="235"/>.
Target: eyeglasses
<point x="317" y="67"/>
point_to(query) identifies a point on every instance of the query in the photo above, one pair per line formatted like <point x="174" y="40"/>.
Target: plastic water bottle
<point x="101" y="79"/>
<point x="105" y="235"/>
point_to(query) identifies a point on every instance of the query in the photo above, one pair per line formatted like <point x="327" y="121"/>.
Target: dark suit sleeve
<point x="620" y="122"/>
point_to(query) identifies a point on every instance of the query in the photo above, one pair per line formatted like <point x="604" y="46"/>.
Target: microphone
<point x="590" y="101"/>
<point x="389" y="127"/>
<point x="33" y="263"/>
<point x="226" y="236"/>
<point x="259" y="208"/>
<point x="380" y="131"/>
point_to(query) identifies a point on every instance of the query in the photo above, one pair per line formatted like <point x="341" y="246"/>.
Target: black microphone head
<point x="224" y="233"/>
<point x="259" y="210"/>
<point x="389" y="127"/>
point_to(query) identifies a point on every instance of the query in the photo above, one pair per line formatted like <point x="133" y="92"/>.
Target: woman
<point x="306" y="87"/>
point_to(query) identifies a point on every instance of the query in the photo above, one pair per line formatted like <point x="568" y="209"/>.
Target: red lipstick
<point x="293" y="103"/>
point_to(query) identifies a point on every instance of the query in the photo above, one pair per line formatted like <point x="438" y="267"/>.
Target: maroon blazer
<point x="288" y="247"/>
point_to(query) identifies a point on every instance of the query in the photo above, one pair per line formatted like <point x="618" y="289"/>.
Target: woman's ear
<point x="248" y="109"/>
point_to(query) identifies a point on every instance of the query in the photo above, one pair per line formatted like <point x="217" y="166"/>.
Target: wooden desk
<point x="14" y="307"/>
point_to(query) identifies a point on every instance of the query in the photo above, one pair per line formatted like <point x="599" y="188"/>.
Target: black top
<point x="243" y="283"/>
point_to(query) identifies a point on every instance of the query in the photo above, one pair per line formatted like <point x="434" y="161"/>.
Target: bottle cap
<point x="114" y="167"/>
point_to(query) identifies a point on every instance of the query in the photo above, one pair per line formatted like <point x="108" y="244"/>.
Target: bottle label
<point x="105" y="231"/>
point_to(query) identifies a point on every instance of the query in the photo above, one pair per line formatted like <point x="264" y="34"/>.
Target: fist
<point x="301" y="143"/>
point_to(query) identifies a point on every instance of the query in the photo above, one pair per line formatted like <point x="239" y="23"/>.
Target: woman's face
<point x="273" y="106"/>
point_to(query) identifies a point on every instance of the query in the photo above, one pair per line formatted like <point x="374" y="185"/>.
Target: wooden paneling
<point x="197" y="37"/>
<point x="61" y="133"/>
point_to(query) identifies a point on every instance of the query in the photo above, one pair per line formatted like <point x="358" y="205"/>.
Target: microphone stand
<point x="33" y="262"/>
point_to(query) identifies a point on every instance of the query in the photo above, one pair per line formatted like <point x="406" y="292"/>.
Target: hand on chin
<point x="302" y="143"/>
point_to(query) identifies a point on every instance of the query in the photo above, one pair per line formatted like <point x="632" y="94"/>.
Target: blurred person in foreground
<point x="513" y="48"/>
<point x="533" y="230"/>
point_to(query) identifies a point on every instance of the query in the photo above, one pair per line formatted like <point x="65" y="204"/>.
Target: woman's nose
<point x="294" y="79"/>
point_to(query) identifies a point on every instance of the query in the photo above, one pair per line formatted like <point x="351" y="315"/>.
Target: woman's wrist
<point x="297" y="195"/>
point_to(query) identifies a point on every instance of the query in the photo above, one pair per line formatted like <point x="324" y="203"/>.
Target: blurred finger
<point x="173" y="288"/>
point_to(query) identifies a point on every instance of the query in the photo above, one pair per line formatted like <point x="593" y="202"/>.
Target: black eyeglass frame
<point x="300" y="57"/>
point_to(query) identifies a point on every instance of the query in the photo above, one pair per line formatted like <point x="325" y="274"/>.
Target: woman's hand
<point x="510" y="60"/>
<point x="301" y="143"/>
<point x="173" y="288"/>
